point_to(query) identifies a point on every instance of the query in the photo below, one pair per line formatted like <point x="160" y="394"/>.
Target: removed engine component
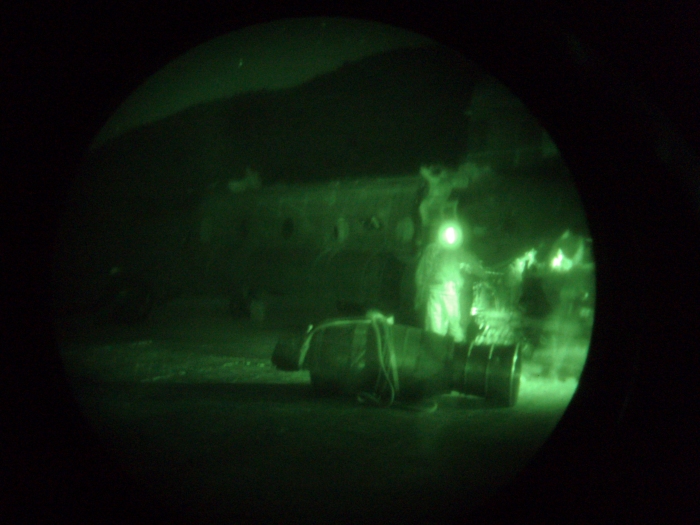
<point x="381" y="362"/>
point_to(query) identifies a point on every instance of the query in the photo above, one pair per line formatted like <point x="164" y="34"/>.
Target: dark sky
<point x="386" y="114"/>
<point x="272" y="56"/>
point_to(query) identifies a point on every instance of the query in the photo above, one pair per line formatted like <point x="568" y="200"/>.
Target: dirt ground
<point x="190" y="406"/>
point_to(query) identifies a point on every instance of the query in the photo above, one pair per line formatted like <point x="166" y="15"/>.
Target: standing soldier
<point x="446" y="270"/>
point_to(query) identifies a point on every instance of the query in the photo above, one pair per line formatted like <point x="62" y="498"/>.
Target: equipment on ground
<point x="382" y="362"/>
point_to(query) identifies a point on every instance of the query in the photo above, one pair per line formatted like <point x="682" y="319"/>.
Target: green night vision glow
<point x="273" y="261"/>
<point x="450" y="235"/>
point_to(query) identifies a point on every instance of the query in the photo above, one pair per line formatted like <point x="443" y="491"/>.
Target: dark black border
<point x="623" y="451"/>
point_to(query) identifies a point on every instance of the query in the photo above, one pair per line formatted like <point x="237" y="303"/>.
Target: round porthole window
<point x="405" y="230"/>
<point x="341" y="230"/>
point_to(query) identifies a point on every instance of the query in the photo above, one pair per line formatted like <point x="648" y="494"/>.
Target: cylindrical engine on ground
<point x="386" y="362"/>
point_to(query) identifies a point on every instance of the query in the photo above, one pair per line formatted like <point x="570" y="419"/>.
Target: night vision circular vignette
<point x="323" y="265"/>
